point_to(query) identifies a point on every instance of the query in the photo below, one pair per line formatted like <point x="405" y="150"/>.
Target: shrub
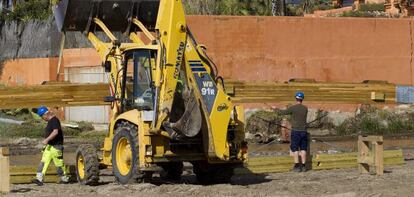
<point x="371" y="125"/>
<point x="370" y="7"/>
<point x="29" y="10"/>
<point x="373" y="121"/>
<point x="25" y="130"/>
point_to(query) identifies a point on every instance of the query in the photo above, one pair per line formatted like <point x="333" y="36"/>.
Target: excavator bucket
<point x="77" y="15"/>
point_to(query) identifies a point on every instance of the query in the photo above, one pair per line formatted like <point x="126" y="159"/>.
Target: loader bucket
<point x="77" y="15"/>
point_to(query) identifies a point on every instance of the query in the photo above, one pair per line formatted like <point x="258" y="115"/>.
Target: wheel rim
<point x="81" y="167"/>
<point x="123" y="156"/>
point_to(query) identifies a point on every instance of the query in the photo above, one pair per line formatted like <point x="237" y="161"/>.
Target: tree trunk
<point x="278" y="8"/>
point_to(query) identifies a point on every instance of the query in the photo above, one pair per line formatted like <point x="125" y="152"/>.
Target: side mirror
<point x="107" y="65"/>
<point x="109" y="99"/>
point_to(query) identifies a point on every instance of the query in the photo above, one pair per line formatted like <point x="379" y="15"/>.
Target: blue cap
<point x="300" y="95"/>
<point x="42" y="110"/>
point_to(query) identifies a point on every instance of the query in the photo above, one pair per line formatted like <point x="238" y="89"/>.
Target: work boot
<point x="296" y="168"/>
<point x="37" y="182"/>
<point x="303" y="168"/>
<point x="64" y="180"/>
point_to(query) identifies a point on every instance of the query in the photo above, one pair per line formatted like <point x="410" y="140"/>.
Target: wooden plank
<point x="64" y="94"/>
<point x="377" y="96"/>
<point x="25" y="179"/>
<point x="4" y="174"/>
<point x="322" y="157"/>
<point x="371" y="138"/>
<point x="24" y="174"/>
<point x="31" y="170"/>
<point x="316" y="166"/>
<point x="363" y="153"/>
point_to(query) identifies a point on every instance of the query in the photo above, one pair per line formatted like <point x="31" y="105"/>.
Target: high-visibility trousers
<point x="51" y="153"/>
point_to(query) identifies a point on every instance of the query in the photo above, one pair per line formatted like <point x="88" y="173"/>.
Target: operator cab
<point x="137" y="88"/>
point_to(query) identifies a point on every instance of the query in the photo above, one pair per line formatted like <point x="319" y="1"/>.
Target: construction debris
<point x="263" y="126"/>
<point x="11" y="121"/>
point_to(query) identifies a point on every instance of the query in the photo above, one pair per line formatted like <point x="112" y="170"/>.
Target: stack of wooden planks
<point x="273" y="164"/>
<point x="314" y="92"/>
<point x="66" y="94"/>
<point x="53" y="95"/>
<point x="319" y="162"/>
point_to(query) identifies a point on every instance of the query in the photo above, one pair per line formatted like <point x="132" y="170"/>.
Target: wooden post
<point x="308" y="153"/>
<point x="370" y="154"/>
<point x="4" y="170"/>
<point x="363" y="152"/>
<point x="379" y="157"/>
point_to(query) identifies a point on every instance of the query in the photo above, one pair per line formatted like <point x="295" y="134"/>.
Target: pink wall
<point x="325" y="49"/>
<point x="277" y="49"/>
<point x="29" y="71"/>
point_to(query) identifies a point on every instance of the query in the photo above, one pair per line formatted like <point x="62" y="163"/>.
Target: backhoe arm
<point x="110" y="55"/>
<point x="171" y="32"/>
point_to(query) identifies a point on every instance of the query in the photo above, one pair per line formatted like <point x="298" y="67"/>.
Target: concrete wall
<point x="281" y="48"/>
<point x="95" y="114"/>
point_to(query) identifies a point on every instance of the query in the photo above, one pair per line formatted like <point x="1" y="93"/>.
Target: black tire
<point x="208" y="174"/>
<point x="130" y="132"/>
<point x="87" y="154"/>
<point x="172" y="170"/>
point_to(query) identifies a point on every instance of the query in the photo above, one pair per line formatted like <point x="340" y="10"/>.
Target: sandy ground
<point x="27" y="151"/>
<point x="397" y="181"/>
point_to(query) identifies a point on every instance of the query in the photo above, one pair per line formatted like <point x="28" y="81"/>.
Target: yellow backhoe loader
<point x="168" y="104"/>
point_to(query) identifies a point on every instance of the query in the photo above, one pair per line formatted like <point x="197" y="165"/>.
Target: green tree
<point x="27" y="10"/>
<point x="202" y="7"/>
<point x="228" y="7"/>
<point x="260" y="7"/>
<point x="235" y="7"/>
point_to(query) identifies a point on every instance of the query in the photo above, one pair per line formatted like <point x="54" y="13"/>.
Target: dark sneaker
<point x="296" y="168"/>
<point x="37" y="182"/>
<point x="303" y="168"/>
